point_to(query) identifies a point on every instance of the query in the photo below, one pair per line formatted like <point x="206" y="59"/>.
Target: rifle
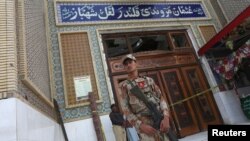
<point x="155" y="113"/>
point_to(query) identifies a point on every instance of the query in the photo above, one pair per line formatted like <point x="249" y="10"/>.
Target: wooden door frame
<point x="208" y="95"/>
<point x="181" y="131"/>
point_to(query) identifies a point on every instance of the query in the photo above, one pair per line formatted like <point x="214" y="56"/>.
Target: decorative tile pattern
<point x="77" y="62"/>
<point x="207" y="32"/>
<point x="232" y="8"/>
<point x="71" y="114"/>
<point x="36" y="45"/>
<point x="8" y="49"/>
<point x="34" y="54"/>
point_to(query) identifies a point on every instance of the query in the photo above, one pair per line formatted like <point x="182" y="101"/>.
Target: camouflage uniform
<point x="136" y="111"/>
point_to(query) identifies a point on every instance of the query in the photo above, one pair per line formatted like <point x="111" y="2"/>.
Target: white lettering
<point x="243" y="133"/>
<point x="216" y="132"/>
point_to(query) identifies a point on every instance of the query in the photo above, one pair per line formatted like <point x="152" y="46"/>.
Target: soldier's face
<point x="130" y="65"/>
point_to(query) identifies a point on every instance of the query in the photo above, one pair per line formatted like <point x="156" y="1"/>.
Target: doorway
<point x="177" y="84"/>
<point x="169" y="58"/>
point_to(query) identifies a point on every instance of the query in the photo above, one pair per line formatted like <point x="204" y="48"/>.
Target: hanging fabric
<point x="245" y="105"/>
<point x="230" y="65"/>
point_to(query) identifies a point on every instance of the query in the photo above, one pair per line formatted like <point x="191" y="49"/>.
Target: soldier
<point x="136" y="111"/>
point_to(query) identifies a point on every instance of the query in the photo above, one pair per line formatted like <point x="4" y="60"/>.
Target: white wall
<point x="84" y="129"/>
<point x="8" y="120"/>
<point x="229" y="106"/>
<point x="21" y="122"/>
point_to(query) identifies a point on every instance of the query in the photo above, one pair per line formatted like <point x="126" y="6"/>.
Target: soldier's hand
<point x="164" y="127"/>
<point x="147" y="129"/>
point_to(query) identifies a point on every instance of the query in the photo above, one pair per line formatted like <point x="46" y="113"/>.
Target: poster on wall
<point x="99" y="12"/>
<point x="82" y="86"/>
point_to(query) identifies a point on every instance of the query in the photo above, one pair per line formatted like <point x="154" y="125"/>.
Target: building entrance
<point x="177" y="72"/>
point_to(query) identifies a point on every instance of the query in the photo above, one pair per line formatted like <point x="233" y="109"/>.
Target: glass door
<point x="183" y="113"/>
<point x="207" y="112"/>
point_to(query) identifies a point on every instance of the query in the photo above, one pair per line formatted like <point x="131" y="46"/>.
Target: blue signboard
<point x="68" y="12"/>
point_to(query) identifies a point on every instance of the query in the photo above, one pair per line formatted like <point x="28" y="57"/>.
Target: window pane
<point x="149" y="43"/>
<point x="180" y="40"/>
<point x="116" y="47"/>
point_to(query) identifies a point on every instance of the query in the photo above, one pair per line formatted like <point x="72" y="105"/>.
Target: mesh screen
<point x="77" y="61"/>
<point x="207" y="31"/>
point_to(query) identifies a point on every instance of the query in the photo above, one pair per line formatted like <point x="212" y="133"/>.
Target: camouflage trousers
<point x="157" y="137"/>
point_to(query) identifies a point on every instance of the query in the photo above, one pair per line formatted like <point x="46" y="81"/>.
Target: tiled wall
<point x="82" y="112"/>
<point x="8" y="58"/>
<point x="77" y="62"/>
<point x="36" y="45"/>
<point x="33" y="64"/>
<point x="232" y="8"/>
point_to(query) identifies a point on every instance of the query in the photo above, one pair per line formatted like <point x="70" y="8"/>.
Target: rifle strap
<point x="140" y="95"/>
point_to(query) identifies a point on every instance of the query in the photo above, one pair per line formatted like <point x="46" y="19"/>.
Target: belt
<point x="144" y="114"/>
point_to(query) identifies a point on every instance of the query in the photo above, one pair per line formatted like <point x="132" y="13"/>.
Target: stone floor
<point x="202" y="136"/>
